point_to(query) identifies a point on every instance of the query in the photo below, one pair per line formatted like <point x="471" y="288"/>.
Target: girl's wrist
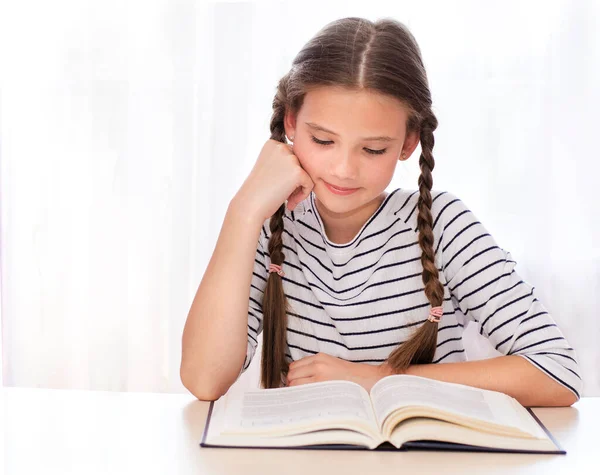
<point x="370" y="374"/>
<point x="385" y="369"/>
<point x="243" y="211"/>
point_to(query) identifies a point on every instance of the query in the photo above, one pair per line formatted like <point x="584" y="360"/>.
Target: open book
<point x="400" y="412"/>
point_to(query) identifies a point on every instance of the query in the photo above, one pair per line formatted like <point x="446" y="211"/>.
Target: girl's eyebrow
<point x="381" y="138"/>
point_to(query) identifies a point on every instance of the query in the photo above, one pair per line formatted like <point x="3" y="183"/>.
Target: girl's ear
<point x="289" y="123"/>
<point x="410" y="143"/>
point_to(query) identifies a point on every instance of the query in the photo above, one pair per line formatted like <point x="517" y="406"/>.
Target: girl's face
<point x="335" y="140"/>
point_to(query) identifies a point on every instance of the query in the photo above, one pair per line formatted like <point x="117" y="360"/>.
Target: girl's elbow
<point x="204" y="392"/>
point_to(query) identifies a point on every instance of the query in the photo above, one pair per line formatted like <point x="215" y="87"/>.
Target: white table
<point x="51" y="431"/>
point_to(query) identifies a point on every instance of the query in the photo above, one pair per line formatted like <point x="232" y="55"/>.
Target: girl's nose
<point x="345" y="168"/>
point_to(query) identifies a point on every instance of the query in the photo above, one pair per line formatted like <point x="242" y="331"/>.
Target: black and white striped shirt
<point x="357" y="301"/>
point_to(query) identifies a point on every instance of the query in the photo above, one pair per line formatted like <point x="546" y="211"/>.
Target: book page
<point x="396" y="391"/>
<point x="420" y="428"/>
<point x="215" y="425"/>
<point x="269" y="411"/>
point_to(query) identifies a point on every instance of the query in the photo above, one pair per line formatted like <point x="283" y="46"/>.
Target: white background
<point x="126" y="128"/>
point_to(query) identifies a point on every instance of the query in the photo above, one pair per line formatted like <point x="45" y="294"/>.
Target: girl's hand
<point x="277" y="176"/>
<point x="324" y="367"/>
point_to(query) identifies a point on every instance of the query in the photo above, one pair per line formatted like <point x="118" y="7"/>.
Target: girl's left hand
<point x="324" y="367"/>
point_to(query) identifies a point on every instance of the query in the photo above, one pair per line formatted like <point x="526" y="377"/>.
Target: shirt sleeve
<point x="257" y="288"/>
<point x="483" y="283"/>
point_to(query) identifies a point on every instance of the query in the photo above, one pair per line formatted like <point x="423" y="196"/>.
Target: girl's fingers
<point x="300" y="194"/>
<point x="307" y="186"/>
<point x="293" y="199"/>
<point x="307" y="360"/>
<point x="299" y="381"/>
<point x="306" y="371"/>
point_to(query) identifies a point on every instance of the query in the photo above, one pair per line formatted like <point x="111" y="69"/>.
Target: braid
<point x="433" y="288"/>
<point x="275" y="305"/>
<point x="420" y="348"/>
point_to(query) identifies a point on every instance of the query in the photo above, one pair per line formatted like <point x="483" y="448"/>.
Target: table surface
<point x="56" y="431"/>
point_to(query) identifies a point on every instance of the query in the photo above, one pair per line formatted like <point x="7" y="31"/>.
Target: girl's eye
<point x="376" y="152"/>
<point x="329" y="142"/>
<point x="320" y="142"/>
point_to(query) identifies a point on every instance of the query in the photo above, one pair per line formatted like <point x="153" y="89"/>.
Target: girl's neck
<point x="343" y="228"/>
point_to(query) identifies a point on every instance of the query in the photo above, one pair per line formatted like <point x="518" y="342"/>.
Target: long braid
<point x="275" y="305"/>
<point x="433" y="288"/>
<point x="420" y="348"/>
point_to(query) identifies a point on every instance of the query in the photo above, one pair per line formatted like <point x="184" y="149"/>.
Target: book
<point x="401" y="412"/>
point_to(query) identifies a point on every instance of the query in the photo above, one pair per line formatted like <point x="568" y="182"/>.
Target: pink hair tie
<point x="276" y="268"/>
<point x="435" y="314"/>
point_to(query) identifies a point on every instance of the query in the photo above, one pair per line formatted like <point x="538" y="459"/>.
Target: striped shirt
<point x="358" y="301"/>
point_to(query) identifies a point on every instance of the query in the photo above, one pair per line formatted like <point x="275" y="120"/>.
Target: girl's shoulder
<point x="443" y="203"/>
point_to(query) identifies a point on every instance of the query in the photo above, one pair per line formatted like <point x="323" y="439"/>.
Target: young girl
<point x="348" y="281"/>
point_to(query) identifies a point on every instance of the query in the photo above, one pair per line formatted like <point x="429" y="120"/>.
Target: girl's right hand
<point x="276" y="176"/>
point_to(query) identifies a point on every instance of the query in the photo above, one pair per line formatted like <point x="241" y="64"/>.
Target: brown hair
<point x="358" y="54"/>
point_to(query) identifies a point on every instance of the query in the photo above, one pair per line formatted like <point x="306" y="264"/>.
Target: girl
<point x="348" y="281"/>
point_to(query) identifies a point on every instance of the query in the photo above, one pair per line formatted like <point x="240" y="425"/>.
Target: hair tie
<point x="276" y="268"/>
<point x="435" y="314"/>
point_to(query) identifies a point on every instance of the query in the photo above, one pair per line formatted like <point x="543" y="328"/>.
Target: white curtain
<point x="126" y="128"/>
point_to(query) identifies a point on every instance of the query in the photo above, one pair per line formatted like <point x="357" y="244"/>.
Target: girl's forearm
<point x="215" y="340"/>
<point x="510" y="374"/>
